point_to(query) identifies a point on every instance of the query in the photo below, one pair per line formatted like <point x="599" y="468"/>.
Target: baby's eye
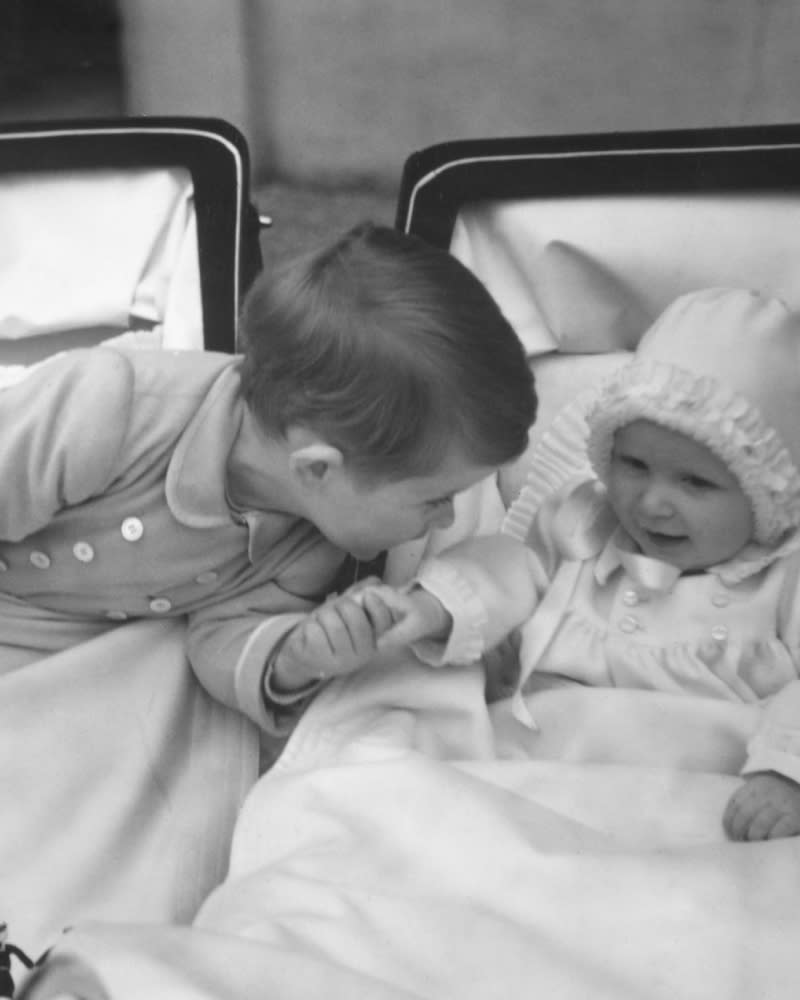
<point x="630" y="462"/>
<point x="699" y="483"/>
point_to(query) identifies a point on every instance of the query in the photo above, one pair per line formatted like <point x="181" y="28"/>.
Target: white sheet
<point x="408" y="843"/>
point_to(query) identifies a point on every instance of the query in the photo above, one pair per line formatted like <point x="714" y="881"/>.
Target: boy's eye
<point x="441" y="502"/>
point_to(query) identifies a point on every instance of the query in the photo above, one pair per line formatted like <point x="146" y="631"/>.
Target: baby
<point x="674" y="569"/>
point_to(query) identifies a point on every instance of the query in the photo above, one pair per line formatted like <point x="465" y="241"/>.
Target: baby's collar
<point x="652" y="575"/>
<point x="754" y="558"/>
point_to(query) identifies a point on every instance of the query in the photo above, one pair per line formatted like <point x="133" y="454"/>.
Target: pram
<point x="411" y="842"/>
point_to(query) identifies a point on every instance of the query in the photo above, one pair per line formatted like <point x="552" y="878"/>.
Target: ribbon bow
<point x="652" y="575"/>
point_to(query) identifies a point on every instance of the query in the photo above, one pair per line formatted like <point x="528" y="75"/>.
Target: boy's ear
<point x="313" y="463"/>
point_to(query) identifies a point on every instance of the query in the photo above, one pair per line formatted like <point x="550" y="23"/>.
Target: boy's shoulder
<point x="84" y="371"/>
<point x="123" y="362"/>
<point x="106" y="382"/>
<point x="181" y="371"/>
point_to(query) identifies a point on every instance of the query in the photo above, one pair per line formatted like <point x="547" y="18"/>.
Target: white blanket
<point x="411" y="844"/>
<point x="120" y="781"/>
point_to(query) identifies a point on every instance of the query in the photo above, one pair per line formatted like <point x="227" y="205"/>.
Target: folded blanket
<point x="411" y="843"/>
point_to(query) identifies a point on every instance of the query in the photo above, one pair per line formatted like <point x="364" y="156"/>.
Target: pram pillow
<point x="556" y="296"/>
<point x="589" y="274"/>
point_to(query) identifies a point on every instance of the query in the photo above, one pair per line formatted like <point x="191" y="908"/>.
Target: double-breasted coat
<point x="114" y="507"/>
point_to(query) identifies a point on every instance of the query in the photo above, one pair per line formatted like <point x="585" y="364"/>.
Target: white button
<point x="160" y="605"/>
<point x="720" y="600"/>
<point x="3" y="566"/>
<point x="210" y="576"/>
<point x="40" y="559"/>
<point x="719" y="632"/>
<point x="132" y="529"/>
<point x="630" y="598"/>
<point x="116" y="616"/>
<point x="628" y="624"/>
<point x="83" y="552"/>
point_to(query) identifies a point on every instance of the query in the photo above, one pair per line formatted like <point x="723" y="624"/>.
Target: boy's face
<point x="366" y="519"/>
<point x="675" y="498"/>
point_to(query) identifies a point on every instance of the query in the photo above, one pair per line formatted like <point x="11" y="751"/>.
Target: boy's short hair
<point x="392" y="351"/>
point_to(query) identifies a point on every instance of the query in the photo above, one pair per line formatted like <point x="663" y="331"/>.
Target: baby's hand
<point x="338" y="637"/>
<point x="765" y="807"/>
<point x="417" y="615"/>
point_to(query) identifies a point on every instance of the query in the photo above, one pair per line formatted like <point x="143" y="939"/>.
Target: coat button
<point x="160" y="605"/>
<point x="628" y="624"/>
<point x="720" y="600"/>
<point x="630" y="598"/>
<point x="39" y="559"/>
<point x="719" y="632"/>
<point x="132" y="529"/>
<point x="83" y="552"/>
<point x="209" y="576"/>
<point x="116" y="616"/>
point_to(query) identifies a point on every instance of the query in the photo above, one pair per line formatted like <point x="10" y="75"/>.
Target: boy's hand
<point x="767" y="806"/>
<point x="338" y="637"/>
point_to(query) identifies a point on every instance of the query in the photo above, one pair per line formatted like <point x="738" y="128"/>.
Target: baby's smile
<point x="660" y="544"/>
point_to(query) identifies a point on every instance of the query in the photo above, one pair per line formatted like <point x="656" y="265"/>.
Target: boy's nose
<point x="444" y="516"/>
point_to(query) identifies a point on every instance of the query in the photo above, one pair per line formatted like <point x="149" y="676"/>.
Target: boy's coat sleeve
<point x="229" y="644"/>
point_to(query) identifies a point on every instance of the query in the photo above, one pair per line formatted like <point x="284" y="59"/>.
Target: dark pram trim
<point x="216" y="155"/>
<point x="439" y="180"/>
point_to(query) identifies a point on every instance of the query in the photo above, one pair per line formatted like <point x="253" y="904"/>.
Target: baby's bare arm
<point x="765" y="807"/>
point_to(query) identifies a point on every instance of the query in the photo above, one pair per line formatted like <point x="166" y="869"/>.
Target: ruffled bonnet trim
<point x="562" y="456"/>
<point x="726" y="423"/>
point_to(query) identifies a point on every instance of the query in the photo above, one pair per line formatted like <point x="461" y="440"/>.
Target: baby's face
<point x="675" y="498"/>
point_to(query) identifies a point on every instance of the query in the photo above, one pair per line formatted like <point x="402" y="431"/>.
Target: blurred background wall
<point x="341" y="91"/>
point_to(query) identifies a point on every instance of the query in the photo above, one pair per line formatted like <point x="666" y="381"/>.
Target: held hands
<point x="347" y="631"/>
<point x="765" y="807"/>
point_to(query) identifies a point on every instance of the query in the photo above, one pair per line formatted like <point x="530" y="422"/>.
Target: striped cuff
<point x="466" y="642"/>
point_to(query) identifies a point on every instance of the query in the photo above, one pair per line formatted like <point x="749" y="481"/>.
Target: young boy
<point x="378" y="379"/>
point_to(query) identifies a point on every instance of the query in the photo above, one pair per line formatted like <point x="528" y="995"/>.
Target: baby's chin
<point x="677" y="550"/>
